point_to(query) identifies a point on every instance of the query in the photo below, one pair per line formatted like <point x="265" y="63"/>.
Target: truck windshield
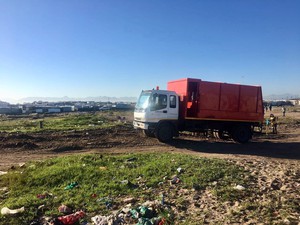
<point x="143" y="101"/>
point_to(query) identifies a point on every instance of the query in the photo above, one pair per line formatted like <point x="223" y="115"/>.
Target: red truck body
<point x="204" y="100"/>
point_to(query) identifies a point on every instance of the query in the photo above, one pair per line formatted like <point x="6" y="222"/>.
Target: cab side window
<point x="172" y="101"/>
<point x="159" y="101"/>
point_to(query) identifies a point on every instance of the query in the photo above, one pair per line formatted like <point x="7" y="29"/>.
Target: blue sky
<point x="55" y="48"/>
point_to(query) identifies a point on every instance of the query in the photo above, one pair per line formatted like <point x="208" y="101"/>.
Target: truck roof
<point x="188" y="79"/>
<point x="160" y="91"/>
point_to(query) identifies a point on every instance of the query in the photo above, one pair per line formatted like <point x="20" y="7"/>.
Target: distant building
<point x="121" y="105"/>
<point x="4" y="104"/>
<point x="295" y="101"/>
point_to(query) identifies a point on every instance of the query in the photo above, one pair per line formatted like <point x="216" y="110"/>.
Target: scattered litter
<point x="41" y="207"/>
<point x="6" y="211"/>
<point x="21" y="165"/>
<point x="100" y="220"/>
<point x="124" y="182"/>
<point x="214" y="183"/>
<point x="72" y="218"/>
<point x="131" y="159"/>
<point x="129" y="184"/>
<point x="35" y="222"/>
<point x="42" y="196"/>
<point x="103" y="168"/>
<point x="3" y="172"/>
<point x="152" y="204"/>
<point x="239" y="187"/>
<point x="142" y="212"/>
<point x="107" y="201"/>
<point x="71" y="185"/>
<point x="64" y="209"/>
<point x="4" y="189"/>
<point x="125" y="210"/>
<point x="179" y="170"/>
<point x="162" y="199"/>
<point x="94" y="195"/>
<point x="129" y="200"/>
<point x="108" y="220"/>
<point x="175" y="180"/>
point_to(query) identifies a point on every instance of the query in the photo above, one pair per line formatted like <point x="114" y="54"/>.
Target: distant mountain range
<point x="129" y="99"/>
<point x="121" y="99"/>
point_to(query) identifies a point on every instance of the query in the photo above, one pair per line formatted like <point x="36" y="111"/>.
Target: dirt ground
<point x="273" y="159"/>
<point x="19" y="148"/>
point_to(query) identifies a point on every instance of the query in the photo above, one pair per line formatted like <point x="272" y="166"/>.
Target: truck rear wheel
<point x="241" y="134"/>
<point x="164" y="132"/>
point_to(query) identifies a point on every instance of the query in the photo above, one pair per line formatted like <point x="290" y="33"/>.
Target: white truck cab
<point x="156" y="113"/>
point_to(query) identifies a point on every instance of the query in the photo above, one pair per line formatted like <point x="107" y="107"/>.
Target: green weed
<point x="104" y="178"/>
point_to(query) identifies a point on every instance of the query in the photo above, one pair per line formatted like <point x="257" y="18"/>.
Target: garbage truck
<point x="226" y="110"/>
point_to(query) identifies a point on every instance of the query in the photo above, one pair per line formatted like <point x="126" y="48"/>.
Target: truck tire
<point x="148" y="133"/>
<point x="241" y="134"/>
<point x="164" y="132"/>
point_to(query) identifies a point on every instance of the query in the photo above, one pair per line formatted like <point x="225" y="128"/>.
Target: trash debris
<point x="4" y="189"/>
<point x="175" y="180"/>
<point x="239" y="187"/>
<point x="71" y="185"/>
<point x="179" y="170"/>
<point x="41" y="207"/>
<point x="35" y="222"/>
<point x="129" y="200"/>
<point x="3" y="172"/>
<point x="94" y="195"/>
<point x="142" y="212"/>
<point x="107" y="220"/>
<point x="71" y="218"/>
<point x="64" y="209"/>
<point x="43" y="196"/>
<point x="152" y="221"/>
<point x="100" y="220"/>
<point x="21" y="165"/>
<point x="129" y="184"/>
<point x="107" y="201"/>
<point x="124" y="182"/>
<point x="131" y="159"/>
<point x="7" y="211"/>
<point x="134" y="213"/>
<point x="162" y="199"/>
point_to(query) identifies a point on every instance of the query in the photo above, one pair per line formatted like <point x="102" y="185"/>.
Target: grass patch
<point x="58" y="122"/>
<point x="143" y="176"/>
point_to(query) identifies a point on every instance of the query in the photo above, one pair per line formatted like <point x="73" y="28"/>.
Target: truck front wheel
<point x="148" y="133"/>
<point x="164" y="132"/>
<point x="241" y="134"/>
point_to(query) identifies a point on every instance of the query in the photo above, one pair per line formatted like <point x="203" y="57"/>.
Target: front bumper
<point x="140" y="125"/>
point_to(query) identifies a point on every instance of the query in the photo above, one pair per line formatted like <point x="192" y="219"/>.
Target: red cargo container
<point x="204" y="100"/>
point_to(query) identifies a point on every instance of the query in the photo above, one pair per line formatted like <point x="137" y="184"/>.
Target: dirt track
<point x="20" y="148"/>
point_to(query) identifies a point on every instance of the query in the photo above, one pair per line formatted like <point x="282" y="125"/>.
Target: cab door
<point x="159" y="106"/>
<point x="173" y="107"/>
<point x="164" y="106"/>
